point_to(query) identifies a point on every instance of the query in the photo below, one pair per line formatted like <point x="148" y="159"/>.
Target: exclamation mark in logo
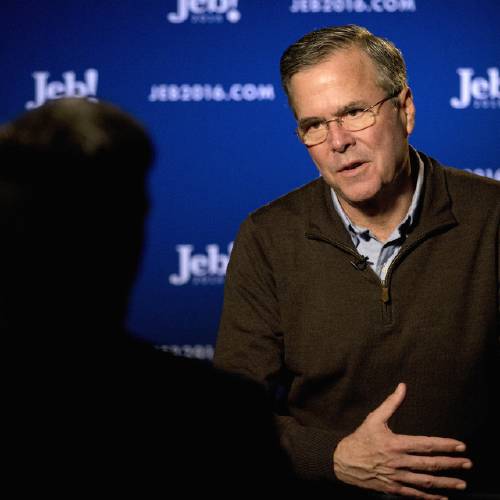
<point x="233" y="15"/>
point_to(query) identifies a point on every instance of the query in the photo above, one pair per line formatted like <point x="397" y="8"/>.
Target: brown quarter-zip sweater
<point x="304" y="315"/>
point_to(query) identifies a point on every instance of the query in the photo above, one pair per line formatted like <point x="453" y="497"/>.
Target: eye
<point x="314" y="125"/>
<point x="354" y="113"/>
<point x="311" y="126"/>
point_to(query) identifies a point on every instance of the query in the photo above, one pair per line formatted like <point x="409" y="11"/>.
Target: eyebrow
<point x="308" y="120"/>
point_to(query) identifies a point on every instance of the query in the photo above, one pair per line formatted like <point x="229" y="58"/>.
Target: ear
<point x="407" y="109"/>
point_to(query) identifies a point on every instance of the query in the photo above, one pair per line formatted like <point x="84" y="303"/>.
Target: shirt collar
<point x="407" y="220"/>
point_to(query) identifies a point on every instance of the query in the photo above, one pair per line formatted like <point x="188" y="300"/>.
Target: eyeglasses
<point x="315" y="131"/>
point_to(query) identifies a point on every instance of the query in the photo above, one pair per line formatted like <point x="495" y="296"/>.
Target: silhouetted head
<point x="72" y="206"/>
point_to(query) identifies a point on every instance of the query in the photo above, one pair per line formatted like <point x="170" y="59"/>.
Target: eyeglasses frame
<point x="340" y="119"/>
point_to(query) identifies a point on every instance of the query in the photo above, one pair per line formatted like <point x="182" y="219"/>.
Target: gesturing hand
<point x="374" y="457"/>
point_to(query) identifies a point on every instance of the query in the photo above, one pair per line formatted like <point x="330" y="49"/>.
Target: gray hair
<point x="317" y="46"/>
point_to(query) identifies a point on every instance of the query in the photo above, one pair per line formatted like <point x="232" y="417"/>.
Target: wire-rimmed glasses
<point x="315" y="131"/>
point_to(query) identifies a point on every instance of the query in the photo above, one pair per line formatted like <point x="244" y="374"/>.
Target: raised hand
<point x="375" y="458"/>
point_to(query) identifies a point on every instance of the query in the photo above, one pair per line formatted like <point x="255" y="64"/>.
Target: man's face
<point x="363" y="166"/>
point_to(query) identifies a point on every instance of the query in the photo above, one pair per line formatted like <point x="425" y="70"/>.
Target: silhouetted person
<point x="89" y="408"/>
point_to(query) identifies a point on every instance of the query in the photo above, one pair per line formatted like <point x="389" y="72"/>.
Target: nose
<point x="338" y="138"/>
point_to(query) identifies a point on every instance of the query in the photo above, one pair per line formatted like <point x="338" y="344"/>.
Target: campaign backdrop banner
<point x="203" y="77"/>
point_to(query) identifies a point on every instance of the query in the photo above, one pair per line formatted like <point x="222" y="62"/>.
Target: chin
<point x="360" y="196"/>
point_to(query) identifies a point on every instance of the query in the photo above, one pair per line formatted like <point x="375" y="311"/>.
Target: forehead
<point x="349" y="75"/>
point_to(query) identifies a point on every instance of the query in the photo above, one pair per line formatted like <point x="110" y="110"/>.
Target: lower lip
<point x="350" y="172"/>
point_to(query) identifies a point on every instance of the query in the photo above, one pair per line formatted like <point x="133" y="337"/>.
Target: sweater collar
<point x="433" y="213"/>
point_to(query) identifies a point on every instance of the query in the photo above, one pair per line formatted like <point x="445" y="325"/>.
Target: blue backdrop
<point x="202" y="75"/>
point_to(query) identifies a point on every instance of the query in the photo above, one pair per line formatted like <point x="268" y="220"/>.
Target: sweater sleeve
<point x="250" y="342"/>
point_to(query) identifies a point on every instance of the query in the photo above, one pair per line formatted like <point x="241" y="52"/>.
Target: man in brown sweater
<point x="368" y="300"/>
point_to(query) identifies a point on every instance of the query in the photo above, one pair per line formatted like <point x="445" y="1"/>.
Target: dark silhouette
<point x="89" y="408"/>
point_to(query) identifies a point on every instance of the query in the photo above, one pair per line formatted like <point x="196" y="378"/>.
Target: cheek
<point x="389" y="156"/>
<point x="319" y="157"/>
<point x="387" y="143"/>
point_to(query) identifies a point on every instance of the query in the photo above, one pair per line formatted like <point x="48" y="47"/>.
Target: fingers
<point x="413" y="493"/>
<point x="431" y="464"/>
<point x="403" y="464"/>
<point x="428" y="445"/>
<point x="385" y="411"/>
<point x="427" y="481"/>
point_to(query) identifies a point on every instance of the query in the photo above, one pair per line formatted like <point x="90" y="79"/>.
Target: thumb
<point x="385" y="411"/>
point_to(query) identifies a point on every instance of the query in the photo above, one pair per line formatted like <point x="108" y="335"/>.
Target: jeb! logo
<point x="481" y="92"/>
<point x="205" y="11"/>
<point x="203" y="269"/>
<point x="68" y="87"/>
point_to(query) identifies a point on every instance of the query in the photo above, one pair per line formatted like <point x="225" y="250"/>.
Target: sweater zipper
<point x="386" y="301"/>
<point x="385" y="296"/>
<point x="385" y="283"/>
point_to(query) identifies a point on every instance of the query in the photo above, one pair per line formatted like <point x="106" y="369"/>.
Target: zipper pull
<point x="385" y="294"/>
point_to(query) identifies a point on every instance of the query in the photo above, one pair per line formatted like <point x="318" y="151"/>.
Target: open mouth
<point x="351" y="166"/>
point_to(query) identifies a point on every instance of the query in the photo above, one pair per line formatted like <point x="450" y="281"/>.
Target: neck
<point x="384" y="213"/>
